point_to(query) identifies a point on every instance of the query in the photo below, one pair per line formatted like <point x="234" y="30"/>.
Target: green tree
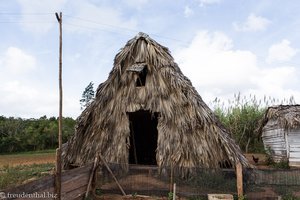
<point x="87" y="96"/>
<point x="17" y="134"/>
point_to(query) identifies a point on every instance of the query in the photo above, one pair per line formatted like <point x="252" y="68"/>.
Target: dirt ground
<point x="26" y="159"/>
<point x="152" y="183"/>
<point x="261" y="164"/>
<point x="133" y="197"/>
<point x="39" y="158"/>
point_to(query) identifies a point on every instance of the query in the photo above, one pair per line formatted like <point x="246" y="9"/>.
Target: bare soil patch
<point x="27" y="159"/>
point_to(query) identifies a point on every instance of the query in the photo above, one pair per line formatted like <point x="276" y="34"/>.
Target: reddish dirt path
<point x="26" y="159"/>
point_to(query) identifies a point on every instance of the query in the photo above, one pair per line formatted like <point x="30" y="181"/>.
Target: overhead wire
<point x="105" y="27"/>
<point x="182" y="43"/>
<point x="125" y="29"/>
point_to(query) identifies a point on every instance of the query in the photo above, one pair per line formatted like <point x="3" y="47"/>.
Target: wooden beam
<point x="239" y="179"/>
<point x="59" y="149"/>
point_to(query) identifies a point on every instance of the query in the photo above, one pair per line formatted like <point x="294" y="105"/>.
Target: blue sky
<point x="223" y="46"/>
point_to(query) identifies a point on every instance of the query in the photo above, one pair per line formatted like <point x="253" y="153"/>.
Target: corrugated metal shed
<point x="280" y="132"/>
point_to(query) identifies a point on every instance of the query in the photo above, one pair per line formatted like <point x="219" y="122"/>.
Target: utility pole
<point x="59" y="149"/>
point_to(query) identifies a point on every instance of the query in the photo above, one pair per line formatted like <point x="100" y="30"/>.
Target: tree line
<point x="17" y="134"/>
<point x="240" y="116"/>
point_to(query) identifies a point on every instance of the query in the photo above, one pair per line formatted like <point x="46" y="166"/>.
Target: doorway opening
<point x="143" y="137"/>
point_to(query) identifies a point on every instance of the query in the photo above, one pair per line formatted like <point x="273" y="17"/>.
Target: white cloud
<point x="207" y="2"/>
<point x="253" y="23"/>
<point x="38" y="16"/>
<point x="210" y="62"/>
<point x="216" y="69"/>
<point x="17" y="61"/>
<point x="276" y="79"/>
<point x="281" y="52"/>
<point x="23" y="99"/>
<point x="188" y="11"/>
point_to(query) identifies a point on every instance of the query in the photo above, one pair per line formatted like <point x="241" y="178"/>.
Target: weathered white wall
<point x="283" y="143"/>
<point x="294" y="147"/>
<point x="274" y="138"/>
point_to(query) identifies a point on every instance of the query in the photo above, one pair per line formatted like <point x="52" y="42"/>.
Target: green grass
<point x="12" y="176"/>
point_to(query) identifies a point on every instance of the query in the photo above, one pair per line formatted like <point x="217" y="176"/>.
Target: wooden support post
<point x="58" y="151"/>
<point x="174" y="191"/>
<point x="239" y="179"/>
<point x="171" y="177"/>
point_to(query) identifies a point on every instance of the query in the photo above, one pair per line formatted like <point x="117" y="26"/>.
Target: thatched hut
<point x="280" y="132"/>
<point x="148" y="112"/>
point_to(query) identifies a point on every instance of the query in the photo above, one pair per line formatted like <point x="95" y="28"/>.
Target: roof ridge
<point x="141" y="35"/>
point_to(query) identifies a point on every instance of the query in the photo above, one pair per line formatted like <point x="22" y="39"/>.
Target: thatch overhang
<point x="286" y="116"/>
<point x="188" y="132"/>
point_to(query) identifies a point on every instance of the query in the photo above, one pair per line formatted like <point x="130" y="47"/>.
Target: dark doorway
<point x="143" y="137"/>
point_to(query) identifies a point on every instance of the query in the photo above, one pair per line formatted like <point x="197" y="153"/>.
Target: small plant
<point x="170" y="195"/>
<point x="269" y="156"/>
<point x="134" y="195"/>
<point x="98" y="192"/>
<point x="290" y="196"/>
<point x="283" y="164"/>
<point x="242" y="197"/>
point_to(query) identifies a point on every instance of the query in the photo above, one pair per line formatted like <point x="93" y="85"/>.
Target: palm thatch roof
<point x="189" y="134"/>
<point x="286" y="116"/>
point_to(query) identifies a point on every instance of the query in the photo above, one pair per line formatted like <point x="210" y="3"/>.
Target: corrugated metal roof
<point x="137" y="67"/>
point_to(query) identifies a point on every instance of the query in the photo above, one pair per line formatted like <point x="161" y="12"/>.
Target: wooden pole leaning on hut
<point x="96" y="163"/>
<point x="58" y="150"/>
<point x="112" y="174"/>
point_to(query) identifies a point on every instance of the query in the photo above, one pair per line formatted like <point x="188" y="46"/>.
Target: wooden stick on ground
<point x="112" y="174"/>
<point x="91" y="177"/>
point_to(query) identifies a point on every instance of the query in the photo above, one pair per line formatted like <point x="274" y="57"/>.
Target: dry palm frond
<point x="286" y="116"/>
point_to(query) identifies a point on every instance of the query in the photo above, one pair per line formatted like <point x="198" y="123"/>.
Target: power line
<point x="21" y="14"/>
<point x="102" y="24"/>
<point x="113" y="29"/>
<point x="26" y="22"/>
<point x="183" y="43"/>
<point x="126" y="29"/>
<point x="93" y="28"/>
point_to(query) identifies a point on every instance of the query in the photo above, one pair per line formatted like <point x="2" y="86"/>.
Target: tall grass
<point x="241" y="117"/>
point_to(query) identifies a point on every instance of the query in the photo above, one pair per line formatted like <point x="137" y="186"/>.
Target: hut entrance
<point x="143" y="137"/>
